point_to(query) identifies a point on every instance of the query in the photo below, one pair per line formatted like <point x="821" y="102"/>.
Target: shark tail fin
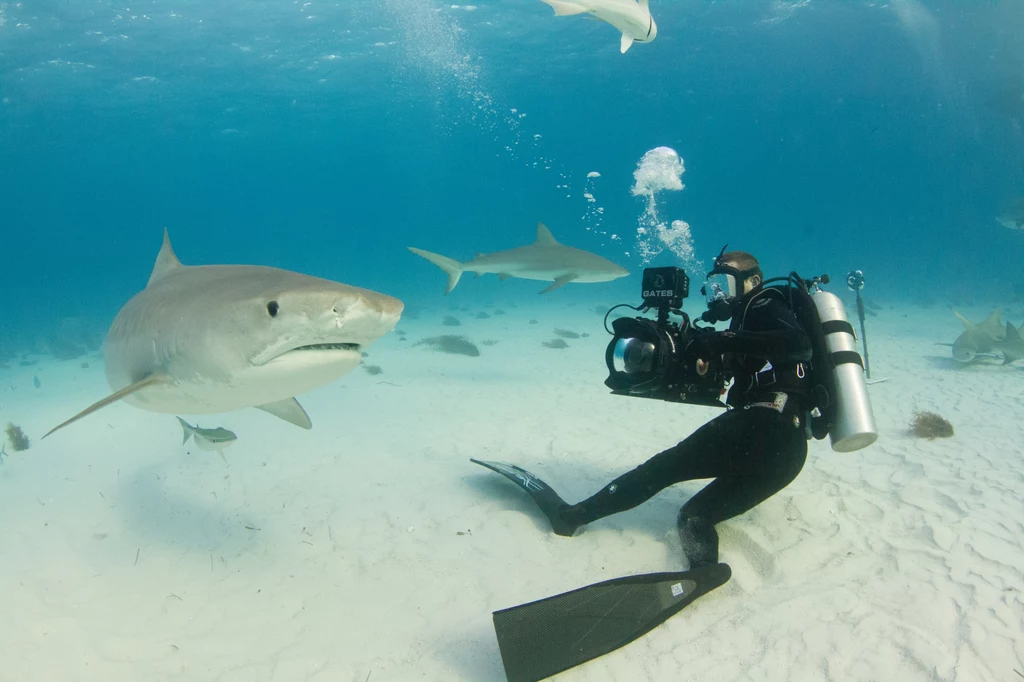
<point x="452" y="267"/>
<point x="563" y="8"/>
<point x="186" y="430"/>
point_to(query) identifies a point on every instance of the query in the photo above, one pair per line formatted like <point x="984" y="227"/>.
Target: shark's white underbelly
<point x="188" y="392"/>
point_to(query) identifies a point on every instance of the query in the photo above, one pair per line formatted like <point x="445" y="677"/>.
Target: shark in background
<point x="545" y="259"/>
<point x="989" y="338"/>
<point x="204" y="339"/>
<point x="632" y="18"/>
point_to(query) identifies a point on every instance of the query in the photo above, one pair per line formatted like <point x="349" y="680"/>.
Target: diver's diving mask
<point x="720" y="286"/>
<point x="723" y="287"/>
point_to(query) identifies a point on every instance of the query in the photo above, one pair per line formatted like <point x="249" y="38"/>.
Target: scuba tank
<point x="852" y="424"/>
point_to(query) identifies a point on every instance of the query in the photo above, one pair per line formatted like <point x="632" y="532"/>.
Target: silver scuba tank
<point x="854" y="425"/>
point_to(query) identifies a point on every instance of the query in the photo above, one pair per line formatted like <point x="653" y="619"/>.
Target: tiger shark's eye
<point x="272" y="308"/>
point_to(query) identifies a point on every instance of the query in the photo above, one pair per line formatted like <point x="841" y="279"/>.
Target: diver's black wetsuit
<point x="752" y="451"/>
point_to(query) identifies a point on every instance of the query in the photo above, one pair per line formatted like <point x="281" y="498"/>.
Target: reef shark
<point x="633" y="19"/>
<point x="988" y="338"/>
<point x="545" y="260"/>
<point x="202" y="339"/>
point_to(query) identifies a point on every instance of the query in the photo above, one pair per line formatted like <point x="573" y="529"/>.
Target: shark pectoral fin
<point x="626" y="43"/>
<point x="503" y="276"/>
<point x="968" y="325"/>
<point x="288" y="410"/>
<point x="452" y="267"/>
<point x="565" y="9"/>
<point x="560" y="282"/>
<point x="112" y="398"/>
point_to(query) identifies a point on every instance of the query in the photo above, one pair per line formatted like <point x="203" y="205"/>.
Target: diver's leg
<point x="706" y="453"/>
<point x="699" y="540"/>
<point x="729" y="496"/>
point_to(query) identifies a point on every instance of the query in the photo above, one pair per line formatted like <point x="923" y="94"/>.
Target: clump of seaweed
<point x="16" y="437"/>
<point x="499" y="311"/>
<point x="482" y="315"/>
<point x="373" y="369"/>
<point x="533" y="321"/>
<point x="450" y="321"/>
<point x="449" y="343"/>
<point x="490" y="342"/>
<point x="566" y="334"/>
<point x="555" y="343"/>
<point x="931" y="426"/>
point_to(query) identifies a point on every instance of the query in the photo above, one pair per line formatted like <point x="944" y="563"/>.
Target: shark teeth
<point x="329" y="346"/>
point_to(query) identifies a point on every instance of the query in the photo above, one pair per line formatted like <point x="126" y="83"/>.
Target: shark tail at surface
<point x="451" y="267"/>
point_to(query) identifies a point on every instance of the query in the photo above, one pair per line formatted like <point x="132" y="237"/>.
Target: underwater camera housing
<point x="649" y="358"/>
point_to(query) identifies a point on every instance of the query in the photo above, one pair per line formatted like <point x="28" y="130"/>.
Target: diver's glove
<point x="706" y="344"/>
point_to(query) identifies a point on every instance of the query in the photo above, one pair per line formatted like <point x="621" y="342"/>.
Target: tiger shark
<point x="631" y="17"/>
<point x="202" y="339"/>
<point x="545" y="260"/>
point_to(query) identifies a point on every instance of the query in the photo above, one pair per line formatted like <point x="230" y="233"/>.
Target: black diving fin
<point x="545" y="637"/>
<point x="547" y="499"/>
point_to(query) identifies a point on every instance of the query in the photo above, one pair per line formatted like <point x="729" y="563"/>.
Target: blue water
<point x="326" y="137"/>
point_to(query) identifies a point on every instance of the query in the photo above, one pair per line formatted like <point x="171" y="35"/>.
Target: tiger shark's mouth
<point x="328" y="346"/>
<point x="326" y="352"/>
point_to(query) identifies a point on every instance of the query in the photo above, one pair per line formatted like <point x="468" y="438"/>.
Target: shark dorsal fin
<point x="544" y="236"/>
<point x="993" y="325"/>
<point x="166" y="261"/>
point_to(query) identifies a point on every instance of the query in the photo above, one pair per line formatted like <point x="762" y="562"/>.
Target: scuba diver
<point x="753" y="450"/>
<point x="792" y="356"/>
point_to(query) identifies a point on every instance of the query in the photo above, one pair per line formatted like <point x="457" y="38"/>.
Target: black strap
<point x="842" y="357"/>
<point x="834" y="326"/>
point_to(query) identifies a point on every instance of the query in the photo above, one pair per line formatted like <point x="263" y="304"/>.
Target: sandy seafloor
<point x="370" y="548"/>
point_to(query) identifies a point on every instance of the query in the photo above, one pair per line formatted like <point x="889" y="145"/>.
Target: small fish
<point x="206" y="439"/>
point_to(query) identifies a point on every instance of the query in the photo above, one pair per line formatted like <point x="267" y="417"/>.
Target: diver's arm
<point x="777" y="345"/>
<point x="778" y="338"/>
